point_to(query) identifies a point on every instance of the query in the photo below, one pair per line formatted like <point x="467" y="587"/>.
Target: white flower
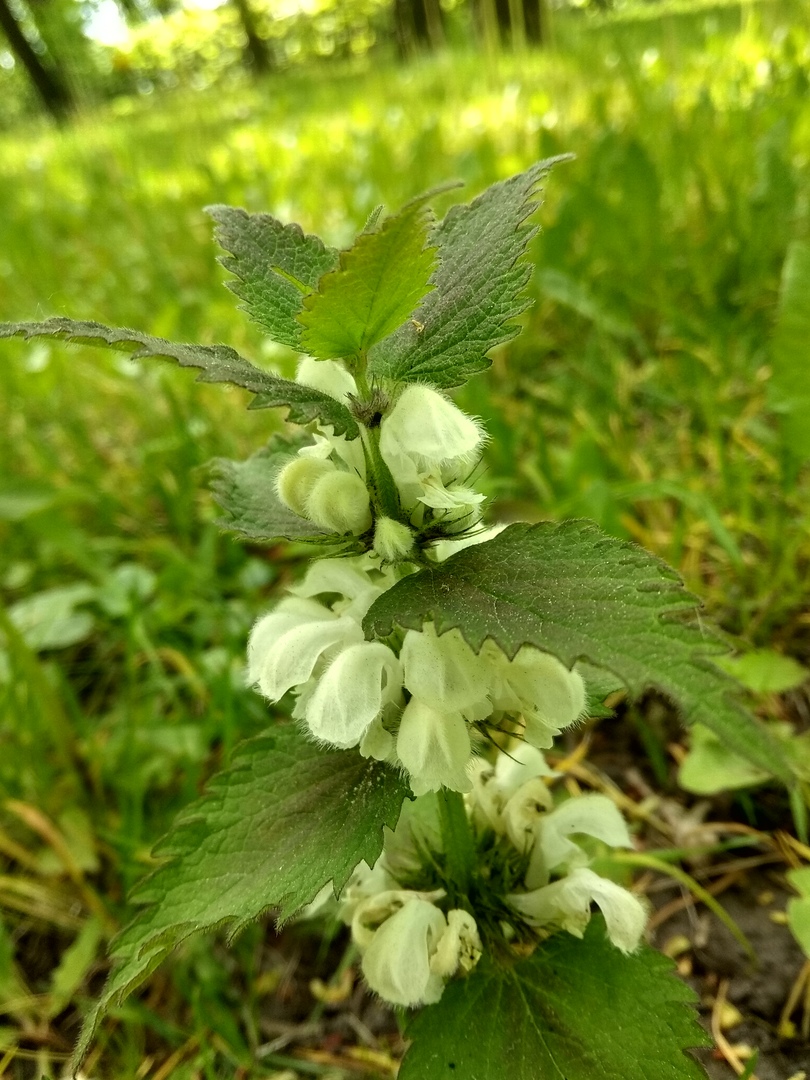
<point x="352" y="692"/>
<point x="297" y="478"/>
<point x="428" y="444"/>
<point x="539" y="686"/>
<point x="434" y="747"/>
<point x="342" y="681"/>
<point x="459" y="947"/>
<point x="396" y="960"/>
<point x="443" y="670"/>
<point x="286" y="644"/>
<point x="567" y="903"/>
<point x="494" y="788"/>
<point x="589" y="815"/>
<point x="410" y="948"/>
<point x="328" y="376"/>
<point x="427" y="428"/>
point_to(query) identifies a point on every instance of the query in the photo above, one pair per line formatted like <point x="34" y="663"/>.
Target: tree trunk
<point x="49" y="84"/>
<point x="257" y="53"/>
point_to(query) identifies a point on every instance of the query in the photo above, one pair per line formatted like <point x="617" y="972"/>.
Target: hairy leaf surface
<point x="379" y="283"/>
<point x="287" y="818"/>
<point x="265" y="255"/>
<point x="580" y="594"/>
<point x="574" y="1010"/>
<point x="217" y="364"/>
<point x="478" y="285"/>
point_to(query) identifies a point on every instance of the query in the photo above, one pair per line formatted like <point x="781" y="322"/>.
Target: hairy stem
<point x="458" y="840"/>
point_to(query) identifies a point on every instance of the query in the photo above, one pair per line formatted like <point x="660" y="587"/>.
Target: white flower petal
<point x="328" y="376"/>
<point x="428" y="427"/>
<point x="518" y="764"/>
<point x="442" y="670"/>
<point x="459" y="947"/>
<point x="439" y="497"/>
<point x="396" y="963"/>
<point x="434" y="747"/>
<point x="524" y="811"/>
<point x="443" y="549"/>
<point x="542" y="688"/>
<point x="591" y="815"/>
<point x="352" y="691"/>
<point x="292" y="657"/>
<point x="568" y="903"/>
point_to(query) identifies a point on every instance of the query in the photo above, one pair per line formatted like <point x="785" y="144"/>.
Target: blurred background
<point x="660" y="387"/>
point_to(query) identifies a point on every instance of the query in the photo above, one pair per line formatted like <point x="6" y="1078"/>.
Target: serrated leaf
<point x="284" y="820"/>
<point x="217" y="364"/>
<point x="790" y="385"/>
<point x="268" y="258"/>
<point x="246" y="491"/>
<point x="578" y="593"/>
<point x="478" y="285"/>
<point x="379" y="283"/>
<point x="574" y="1010"/>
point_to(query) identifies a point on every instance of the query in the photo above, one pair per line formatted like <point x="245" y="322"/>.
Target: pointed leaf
<point x="268" y="258"/>
<point x="478" y="285"/>
<point x="578" y="593"/>
<point x="287" y="818"/>
<point x="246" y="491"/>
<point x="217" y="364"/>
<point x="379" y="283"/>
<point x="574" y="1010"/>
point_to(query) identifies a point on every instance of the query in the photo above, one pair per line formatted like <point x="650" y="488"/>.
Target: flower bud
<point x="392" y="540"/>
<point x="297" y="479"/>
<point x="339" y="501"/>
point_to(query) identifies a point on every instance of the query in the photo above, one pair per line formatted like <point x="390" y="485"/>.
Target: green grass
<point x="638" y="396"/>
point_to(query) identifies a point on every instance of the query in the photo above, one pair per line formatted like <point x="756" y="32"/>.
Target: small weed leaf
<point x="577" y="1009"/>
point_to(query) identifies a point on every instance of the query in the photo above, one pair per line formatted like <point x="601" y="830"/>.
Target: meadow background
<point x="646" y="392"/>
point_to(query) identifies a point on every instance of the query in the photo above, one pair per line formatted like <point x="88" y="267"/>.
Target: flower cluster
<point x="513" y="799"/>
<point x="427" y="446"/>
<point x="411" y="944"/>
<point x="410" y="947"/>
<point x="419" y="706"/>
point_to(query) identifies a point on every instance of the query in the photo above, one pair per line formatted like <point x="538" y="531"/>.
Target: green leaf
<point x="790" y="351"/>
<point x="287" y="818"/>
<point x="574" y="1010"/>
<point x="246" y="491"/>
<point x="217" y="364"/>
<point x="798" y="908"/>
<point x="710" y="767"/>
<point x="275" y="264"/>
<point x="765" y="671"/>
<point x="379" y="283"/>
<point x="51" y="620"/>
<point x="478" y="285"/>
<point x="580" y="594"/>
